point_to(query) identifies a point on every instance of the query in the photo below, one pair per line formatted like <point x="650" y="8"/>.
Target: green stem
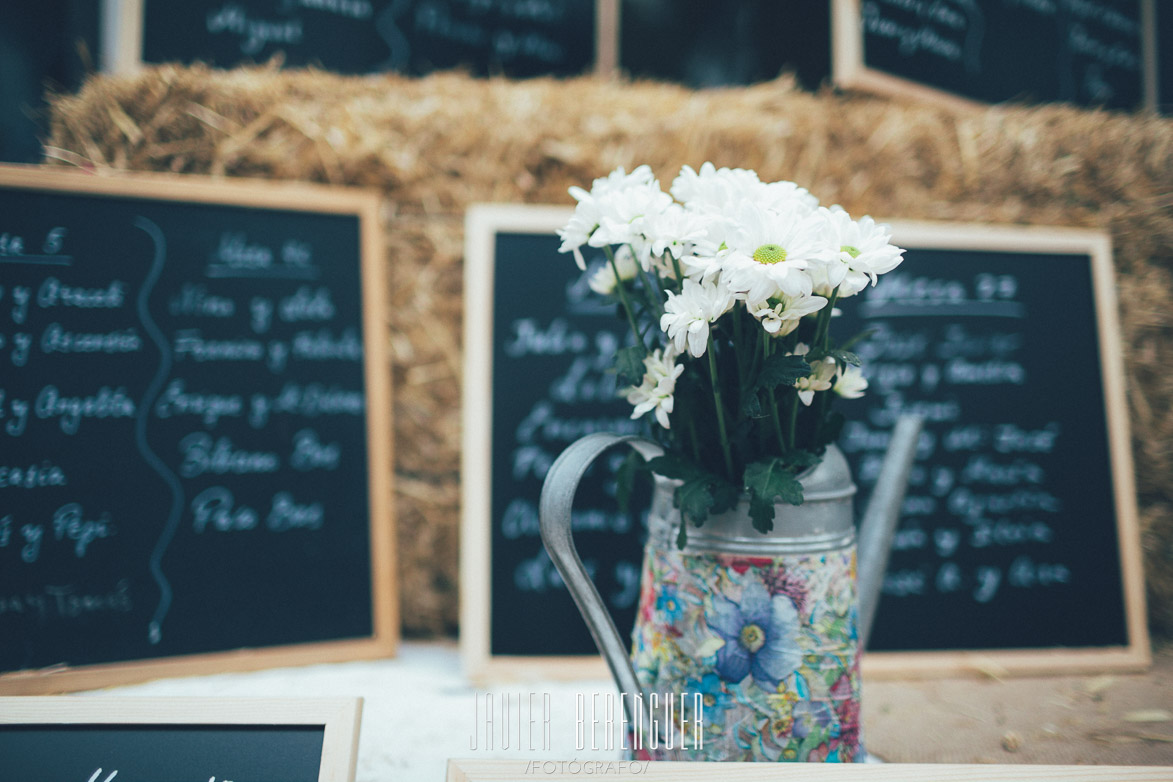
<point x="822" y="336"/>
<point x="738" y="337"/>
<point x="619" y="286"/>
<point x="793" y="420"/>
<point x="679" y="275"/>
<point x="654" y="295"/>
<point x="823" y="331"/>
<point x="820" y="406"/>
<point x="773" y="400"/>
<point x="720" y="412"/>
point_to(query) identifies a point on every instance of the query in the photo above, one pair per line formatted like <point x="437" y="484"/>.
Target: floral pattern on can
<point x="765" y="648"/>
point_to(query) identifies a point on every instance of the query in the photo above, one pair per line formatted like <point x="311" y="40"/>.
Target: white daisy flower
<point x="768" y="253"/>
<point x="713" y="189"/>
<point x="604" y="281"/>
<point x="687" y="315"/>
<point x="784" y="195"/>
<point x="657" y="391"/>
<point x="820" y="379"/>
<point x="675" y="233"/>
<point x="850" y="382"/>
<point x="781" y="315"/>
<point x="623" y="215"/>
<point x="593" y="205"/>
<point x="864" y="251"/>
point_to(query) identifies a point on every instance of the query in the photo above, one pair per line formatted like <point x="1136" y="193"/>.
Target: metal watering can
<point x="746" y="645"/>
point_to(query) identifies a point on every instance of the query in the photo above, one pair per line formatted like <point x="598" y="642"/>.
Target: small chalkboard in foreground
<point x="538" y="347"/>
<point x="115" y="739"/>
<point x="1090" y="53"/>
<point x="1018" y="543"/>
<point x="194" y="428"/>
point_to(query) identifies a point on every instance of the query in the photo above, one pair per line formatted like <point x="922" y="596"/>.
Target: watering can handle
<point x="554" y="512"/>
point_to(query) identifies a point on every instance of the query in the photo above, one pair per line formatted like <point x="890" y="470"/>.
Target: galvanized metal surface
<point x="823" y="522"/>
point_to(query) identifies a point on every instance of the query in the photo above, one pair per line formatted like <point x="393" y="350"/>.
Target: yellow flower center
<point x="769" y="253"/>
<point x="852" y="251"/>
<point x="752" y="638"/>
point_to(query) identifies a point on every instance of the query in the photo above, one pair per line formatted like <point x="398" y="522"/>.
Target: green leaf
<point x="725" y="497"/>
<point x="625" y="476"/>
<point x="761" y="513"/>
<point x="781" y="370"/>
<point x="767" y="481"/>
<point x="672" y="466"/>
<point x="694" y="500"/>
<point x="799" y="460"/>
<point x="629" y="365"/>
<point x="700" y="494"/>
<point x="751" y="406"/>
<point x="842" y="356"/>
<point x="777" y="370"/>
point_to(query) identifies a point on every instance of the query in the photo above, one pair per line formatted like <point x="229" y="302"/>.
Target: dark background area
<point x="44" y="44"/>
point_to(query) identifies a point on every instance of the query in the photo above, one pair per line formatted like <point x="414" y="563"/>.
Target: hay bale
<point x="437" y="144"/>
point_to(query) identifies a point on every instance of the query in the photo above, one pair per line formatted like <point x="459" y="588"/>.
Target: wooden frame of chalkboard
<point x="123" y="25"/>
<point x="1081" y="258"/>
<point x="569" y="770"/>
<point x="341" y="410"/>
<point x="483" y="224"/>
<point x="260" y="732"/>
<point x="914" y="34"/>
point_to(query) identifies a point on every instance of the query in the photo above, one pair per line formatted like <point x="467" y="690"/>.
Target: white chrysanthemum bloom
<point x="768" y="253"/>
<point x="781" y="315"/>
<point x="687" y="314"/>
<point x="593" y="205"/>
<point x="658" y="389"/>
<point x="827" y="275"/>
<point x="604" y="281"/>
<point x="820" y="379"/>
<point x="788" y="195"/>
<point x="850" y="382"/>
<point x="864" y="251"/>
<point x="624" y="213"/>
<point x="713" y="189"/>
<point x="703" y="263"/>
<point x="675" y="233"/>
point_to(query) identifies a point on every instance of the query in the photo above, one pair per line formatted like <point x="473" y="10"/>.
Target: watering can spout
<point x="880" y="519"/>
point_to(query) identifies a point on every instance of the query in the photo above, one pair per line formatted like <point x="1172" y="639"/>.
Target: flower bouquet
<point x="729" y="287"/>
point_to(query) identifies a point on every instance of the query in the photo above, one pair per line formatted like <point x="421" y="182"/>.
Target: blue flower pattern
<point x="760" y="634"/>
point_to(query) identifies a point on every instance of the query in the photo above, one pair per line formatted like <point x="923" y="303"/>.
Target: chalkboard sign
<point x="1086" y="52"/>
<point x="112" y="739"/>
<point x="516" y="38"/>
<point x="1018" y="537"/>
<point x="1019" y="526"/>
<point x="538" y="347"/>
<point x="195" y="450"/>
<point x="708" y="43"/>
